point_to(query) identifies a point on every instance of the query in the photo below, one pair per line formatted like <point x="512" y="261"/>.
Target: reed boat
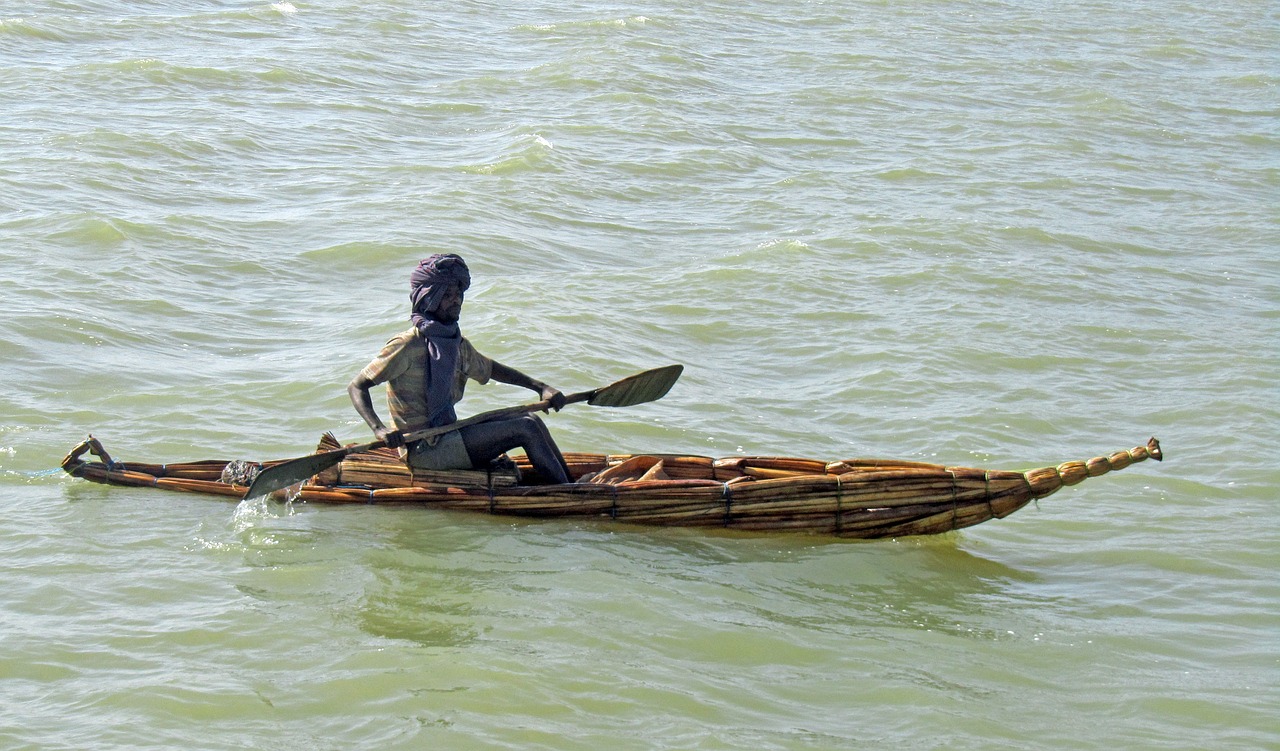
<point x="855" y="498"/>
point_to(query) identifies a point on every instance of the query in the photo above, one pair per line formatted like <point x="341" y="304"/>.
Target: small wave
<point x="285" y="8"/>
<point x="907" y="174"/>
<point x="1253" y="80"/>
<point x="361" y="254"/>
<point x="613" y="23"/>
<point x="781" y="245"/>
<point x="151" y="71"/>
<point x="531" y="153"/>
<point x="94" y="230"/>
<point x="1176" y="50"/>
<point x="20" y="27"/>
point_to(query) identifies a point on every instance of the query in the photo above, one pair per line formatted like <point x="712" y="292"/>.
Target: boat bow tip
<point x="1046" y="480"/>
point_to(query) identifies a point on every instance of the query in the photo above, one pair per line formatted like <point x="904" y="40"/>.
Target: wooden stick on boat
<point x="648" y="386"/>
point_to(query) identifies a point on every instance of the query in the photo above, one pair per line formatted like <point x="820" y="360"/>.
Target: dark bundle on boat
<point x="864" y="498"/>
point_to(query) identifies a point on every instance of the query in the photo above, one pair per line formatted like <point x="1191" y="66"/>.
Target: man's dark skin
<point x="487" y="440"/>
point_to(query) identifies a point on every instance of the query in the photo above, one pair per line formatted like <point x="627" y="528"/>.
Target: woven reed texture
<point x="861" y="498"/>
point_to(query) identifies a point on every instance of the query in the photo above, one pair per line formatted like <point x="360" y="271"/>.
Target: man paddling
<point x="426" y="370"/>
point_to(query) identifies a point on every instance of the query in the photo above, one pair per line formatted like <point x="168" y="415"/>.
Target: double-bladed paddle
<point x="648" y="386"/>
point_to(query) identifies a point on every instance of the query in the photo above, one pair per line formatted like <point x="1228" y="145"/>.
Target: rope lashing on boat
<point x="986" y="493"/>
<point x="839" y="503"/>
<point x="955" y="487"/>
<point x="728" y="504"/>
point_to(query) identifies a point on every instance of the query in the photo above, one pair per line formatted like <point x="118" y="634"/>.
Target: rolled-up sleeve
<point x="388" y="364"/>
<point x="472" y="364"/>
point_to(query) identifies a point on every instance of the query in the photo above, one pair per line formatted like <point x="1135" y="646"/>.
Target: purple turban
<point x="428" y="282"/>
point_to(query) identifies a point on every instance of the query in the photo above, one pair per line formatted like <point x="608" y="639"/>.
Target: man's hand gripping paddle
<point x="648" y="386"/>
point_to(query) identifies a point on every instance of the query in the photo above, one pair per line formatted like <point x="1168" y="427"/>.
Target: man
<point x="426" y="370"/>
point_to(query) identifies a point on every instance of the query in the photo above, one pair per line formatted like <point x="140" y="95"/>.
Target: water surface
<point x="979" y="233"/>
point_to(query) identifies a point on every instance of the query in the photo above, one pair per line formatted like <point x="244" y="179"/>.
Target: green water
<point x="979" y="233"/>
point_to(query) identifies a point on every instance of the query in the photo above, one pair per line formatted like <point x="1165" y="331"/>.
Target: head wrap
<point x="427" y="285"/>
<point x="428" y="282"/>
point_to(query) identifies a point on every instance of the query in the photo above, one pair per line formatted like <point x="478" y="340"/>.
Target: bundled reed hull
<point x="862" y="498"/>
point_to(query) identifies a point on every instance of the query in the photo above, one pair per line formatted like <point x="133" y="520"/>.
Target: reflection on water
<point x="426" y="610"/>
<point x="445" y="579"/>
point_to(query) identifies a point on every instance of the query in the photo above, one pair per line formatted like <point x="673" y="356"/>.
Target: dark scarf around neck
<point x="443" y="342"/>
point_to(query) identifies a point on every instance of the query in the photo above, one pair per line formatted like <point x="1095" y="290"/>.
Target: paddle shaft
<point x="294" y="471"/>
<point x="636" y="389"/>
<point x="490" y="416"/>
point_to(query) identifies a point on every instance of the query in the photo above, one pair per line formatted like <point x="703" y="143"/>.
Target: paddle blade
<point x="643" y="387"/>
<point x="292" y="472"/>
